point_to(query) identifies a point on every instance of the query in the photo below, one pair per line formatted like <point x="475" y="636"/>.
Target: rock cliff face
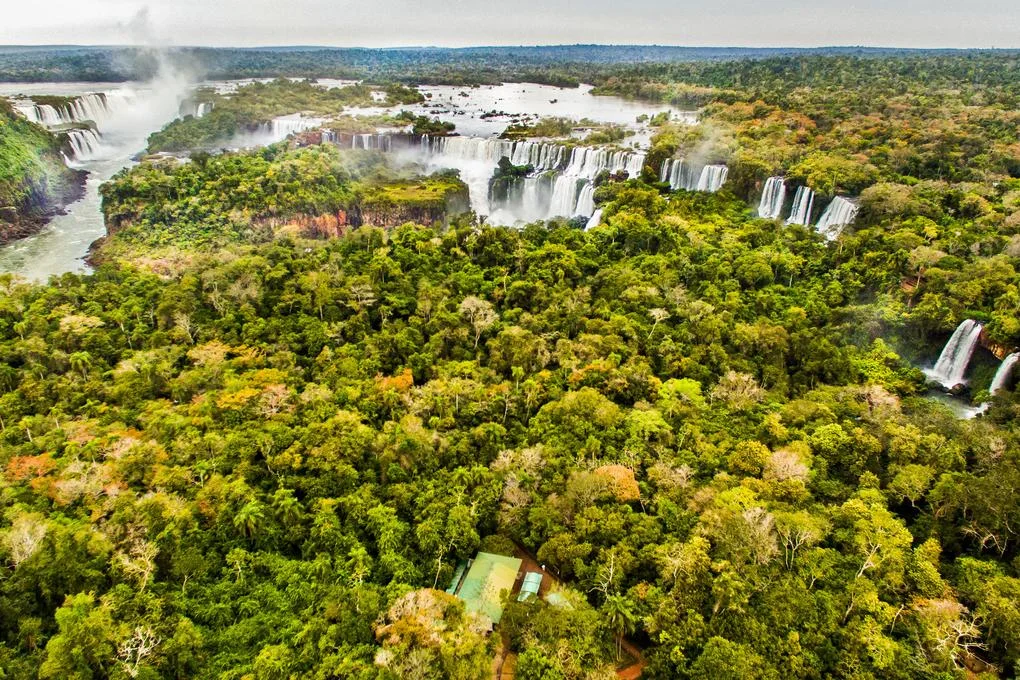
<point x="42" y="203"/>
<point x="1000" y="351"/>
<point x="376" y="213"/>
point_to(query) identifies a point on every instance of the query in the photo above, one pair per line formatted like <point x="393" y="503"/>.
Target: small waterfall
<point x="595" y="220"/>
<point x="284" y="126"/>
<point x="538" y="155"/>
<point x="679" y="174"/>
<point x="952" y="364"/>
<point x="773" y="196"/>
<point x="586" y="200"/>
<point x="190" y="107"/>
<point x="682" y="175"/>
<point x="1004" y="373"/>
<point x="526" y="199"/>
<point x="712" y="178"/>
<point x="839" y="213"/>
<point x="83" y="144"/>
<point x="564" y="196"/>
<point x="41" y="114"/>
<point x="803" y="202"/>
<point x="375" y="142"/>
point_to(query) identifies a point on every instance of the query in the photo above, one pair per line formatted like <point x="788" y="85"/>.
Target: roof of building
<point x="530" y="586"/>
<point x="458" y="576"/>
<point x="488" y="575"/>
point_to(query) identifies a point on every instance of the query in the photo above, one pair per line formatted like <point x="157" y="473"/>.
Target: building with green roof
<point x="485" y="578"/>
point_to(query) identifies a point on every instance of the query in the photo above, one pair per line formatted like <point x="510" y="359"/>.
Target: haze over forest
<point x="394" y="23"/>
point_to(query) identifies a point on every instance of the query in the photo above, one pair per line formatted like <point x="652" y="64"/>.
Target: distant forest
<point x="559" y="65"/>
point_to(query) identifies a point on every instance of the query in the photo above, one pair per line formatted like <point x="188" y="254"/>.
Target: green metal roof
<point x="488" y="576"/>
<point x="457" y="576"/>
<point x="529" y="587"/>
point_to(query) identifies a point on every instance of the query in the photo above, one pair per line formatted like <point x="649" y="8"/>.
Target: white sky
<point x="390" y="23"/>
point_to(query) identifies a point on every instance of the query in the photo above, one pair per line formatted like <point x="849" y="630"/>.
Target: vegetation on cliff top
<point x="257" y="103"/>
<point x="217" y="199"/>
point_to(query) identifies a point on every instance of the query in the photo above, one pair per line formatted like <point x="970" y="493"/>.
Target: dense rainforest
<point x="34" y="182"/>
<point x="237" y="451"/>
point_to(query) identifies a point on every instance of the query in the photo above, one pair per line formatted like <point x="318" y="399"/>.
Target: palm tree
<point x="619" y="613"/>
<point x="287" y="508"/>
<point x="249" y="518"/>
<point x="81" y="361"/>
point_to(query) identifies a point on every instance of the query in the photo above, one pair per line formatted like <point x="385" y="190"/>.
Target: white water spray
<point x="773" y="196"/>
<point x="803" y="203"/>
<point x="839" y="213"/>
<point x="952" y="364"/>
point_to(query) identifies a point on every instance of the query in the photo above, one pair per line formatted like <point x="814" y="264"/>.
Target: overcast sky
<point x="389" y="23"/>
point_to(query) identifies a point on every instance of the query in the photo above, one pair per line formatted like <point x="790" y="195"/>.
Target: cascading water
<point x="773" y="196"/>
<point x="94" y="107"/>
<point x="586" y="200"/>
<point x="195" y="109"/>
<point x="372" y="141"/>
<point x="94" y="110"/>
<point x="952" y="364"/>
<point x="682" y="175"/>
<point x="712" y="178"/>
<point x="284" y="126"/>
<point x="83" y="144"/>
<point x="803" y="203"/>
<point x="561" y="183"/>
<point x="595" y="220"/>
<point x="564" y="195"/>
<point x="679" y="174"/>
<point x="838" y="214"/>
<point x="1004" y="373"/>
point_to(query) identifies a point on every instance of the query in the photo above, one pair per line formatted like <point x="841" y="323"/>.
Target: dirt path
<point x="634" y="670"/>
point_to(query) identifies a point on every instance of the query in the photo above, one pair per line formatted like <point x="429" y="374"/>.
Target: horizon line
<point x="298" y="46"/>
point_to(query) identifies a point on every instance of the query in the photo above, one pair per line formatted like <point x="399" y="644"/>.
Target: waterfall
<point x="284" y="126"/>
<point x="83" y="144"/>
<point x="535" y="198"/>
<point x="682" y="175"/>
<point x="595" y="220"/>
<point x="803" y="202"/>
<point x="586" y="200"/>
<point x="376" y="142"/>
<point x="94" y="107"/>
<point x="679" y="174"/>
<point x="190" y="107"/>
<point x="538" y="155"/>
<point x="561" y="184"/>
<point x="1002" y="376"/>
<point x="839" y="213"/>
<point x="952" y="364"/>
<point x="712" y="178"/>
<point x="564" y="196"/>
<point x="773" y="196"/>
